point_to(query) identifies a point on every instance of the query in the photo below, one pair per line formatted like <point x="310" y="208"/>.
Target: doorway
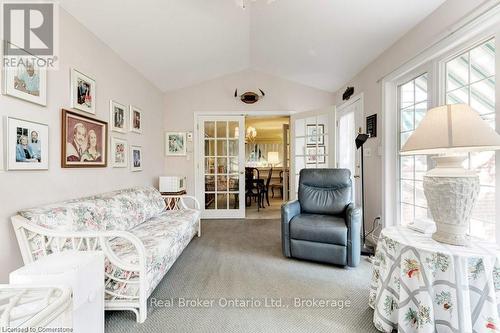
<point x="226" y="147"/>
<point x="220" y="166"/>
<point x="349" y="125"/>
<point x="267" y="162"/>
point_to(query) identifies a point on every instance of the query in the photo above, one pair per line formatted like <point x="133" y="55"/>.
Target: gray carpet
<point x="241" y="260"/>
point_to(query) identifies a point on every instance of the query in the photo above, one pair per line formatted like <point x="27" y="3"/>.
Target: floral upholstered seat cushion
<point x="164" y="237"/>
<point x="118" y="210"/>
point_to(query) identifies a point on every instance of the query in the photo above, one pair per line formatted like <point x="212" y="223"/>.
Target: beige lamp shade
<point x="273" y="157"/>
<point x="451" y="128"/>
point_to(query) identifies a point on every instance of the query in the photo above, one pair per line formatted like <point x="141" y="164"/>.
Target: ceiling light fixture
<point x="244" y="3"/>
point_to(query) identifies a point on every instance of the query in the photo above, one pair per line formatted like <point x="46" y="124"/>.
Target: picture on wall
<point x="26" y="81"/>
<point x="136" y="155"/>
<point x="119" y="151"/>
<point x="315" y="134"/>
<point x="135" y="119"/>
<point x="84" y="141"/>
<point x="27" y="145"/>
<point x="313" y="155"/>
<point x="175" y="143"/>
<point x="118" y="117"/>
<point x="82" y="92"/>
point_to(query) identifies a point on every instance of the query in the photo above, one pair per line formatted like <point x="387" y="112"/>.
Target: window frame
<point x="435" y="68"/>
<point x="441" y="62"/>
<point x="427" y="68"/>
<point x="480" y="24"/>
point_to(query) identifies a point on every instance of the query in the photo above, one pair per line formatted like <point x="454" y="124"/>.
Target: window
<point x="470" y="79"/>
<point x="413" y="104"/>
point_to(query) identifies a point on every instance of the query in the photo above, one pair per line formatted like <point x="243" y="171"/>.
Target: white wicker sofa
<point x="140" y="234"/>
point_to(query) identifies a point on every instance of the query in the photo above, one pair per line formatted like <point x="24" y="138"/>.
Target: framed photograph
<point x="27" y="145"/>
<point x="175" y="143"/>
<point x="136" y="158"/>
<point x="314" y="155"/>
<point x="118" y="117"/>
<point x="315" y="134"/>
<point x="82" y="92"/>
<point x="119" y="151"/>
<point x="135" y="119"/>
<point x="27" y="81"/>
<point x="84" y="141"/>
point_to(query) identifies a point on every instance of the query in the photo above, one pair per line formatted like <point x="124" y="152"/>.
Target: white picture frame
<point x="24" y="150"/>
<point x="17" y="82"/>
<point x="135" y="117"/>
<point x="119" y="153"/>
<point x="118" y="117"/>
<point x="175" y="143"/>
<point x="83" y="92"/>
<point x="136" y="158"/>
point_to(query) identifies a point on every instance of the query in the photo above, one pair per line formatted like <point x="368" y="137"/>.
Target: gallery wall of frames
<point x="85" y="142"/>
<point x="57" y="128"/>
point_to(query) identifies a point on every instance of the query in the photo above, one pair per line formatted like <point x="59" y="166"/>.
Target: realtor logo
<point x="30" y="31"/>
<point x="28" y="28"/>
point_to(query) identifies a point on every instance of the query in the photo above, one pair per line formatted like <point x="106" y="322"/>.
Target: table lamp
<point x="273" y="158"/>
<point x="451" y="191"/>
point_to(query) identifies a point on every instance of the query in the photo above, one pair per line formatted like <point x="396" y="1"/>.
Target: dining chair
<point x="265" y="189"/>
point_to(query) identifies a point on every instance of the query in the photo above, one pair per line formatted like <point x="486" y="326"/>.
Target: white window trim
<point x="426" y="68"/>
<point x="478" y="26"/>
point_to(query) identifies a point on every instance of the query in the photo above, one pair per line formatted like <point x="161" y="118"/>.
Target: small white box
<point x="172" y="184"/>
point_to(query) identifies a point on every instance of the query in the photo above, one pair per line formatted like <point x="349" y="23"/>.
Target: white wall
<point x="115" y="80"/>
<point x="217" y="95"/>
<point x="366" y="81"/>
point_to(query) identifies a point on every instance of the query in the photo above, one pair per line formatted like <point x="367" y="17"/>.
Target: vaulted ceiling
<point x="319" y="43"/>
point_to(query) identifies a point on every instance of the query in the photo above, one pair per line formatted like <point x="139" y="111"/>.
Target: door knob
<point x="356" y="176"/>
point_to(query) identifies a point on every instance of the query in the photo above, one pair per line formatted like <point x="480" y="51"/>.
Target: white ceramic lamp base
<point x="451" y="192"/>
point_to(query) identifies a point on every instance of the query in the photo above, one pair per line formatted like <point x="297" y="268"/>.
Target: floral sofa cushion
<point x="164" y="237"/>
<point x="118" y="210"/>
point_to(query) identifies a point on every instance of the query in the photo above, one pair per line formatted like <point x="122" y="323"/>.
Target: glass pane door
<point x="311" y="149"/>
<point x="221" y="168"/>
<point x="348" y="156"/>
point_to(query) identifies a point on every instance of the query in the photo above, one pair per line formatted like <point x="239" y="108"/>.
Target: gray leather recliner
<point x="323" y="224"/>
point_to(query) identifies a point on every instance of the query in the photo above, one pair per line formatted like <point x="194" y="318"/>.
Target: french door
<point x="349" y="125"/>
<point x="220" y="166"/>
<point x="311" y="144"/>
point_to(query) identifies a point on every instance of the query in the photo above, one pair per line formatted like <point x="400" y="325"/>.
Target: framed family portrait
<point x="136" y="158"/>
<point x="118" y="117"/>
<point x="315" y="134"/>
<point x="27" y="81"/>
<point x="119" y="151"/>
<point x="27" y="145"/>
<point x="82" y="92"/>
<point x="135" y="119"/>
<point x="175" y="143"/>
<point x="84" y="141"/>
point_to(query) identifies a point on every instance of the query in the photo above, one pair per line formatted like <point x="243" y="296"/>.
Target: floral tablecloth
<point x="420" y="285"/>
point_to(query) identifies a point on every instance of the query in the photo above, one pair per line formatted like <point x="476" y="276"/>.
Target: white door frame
<point x="359" y="117"/>
<point x="196" y="149"/>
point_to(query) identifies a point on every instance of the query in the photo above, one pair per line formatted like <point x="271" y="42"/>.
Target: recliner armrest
<point x="288" y="211"/>
<point x="353" y="223"/>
